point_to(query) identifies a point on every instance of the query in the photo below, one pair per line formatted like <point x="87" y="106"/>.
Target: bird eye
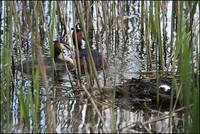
<point x="78" y="27"/>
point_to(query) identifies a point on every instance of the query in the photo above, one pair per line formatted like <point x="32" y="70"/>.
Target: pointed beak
<point x="70" y="60"/>
<point x="65" y="46"/>
<point x="64" y="57"/>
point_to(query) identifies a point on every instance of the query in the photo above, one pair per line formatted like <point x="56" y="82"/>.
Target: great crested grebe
<point x="60" y="61"/>
<point x="77" y="34"/>
<point x="58" y="52"/>
<point x="99" y="60"/>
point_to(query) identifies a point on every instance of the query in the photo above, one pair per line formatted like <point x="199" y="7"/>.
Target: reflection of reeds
<point x="26" y="19"/>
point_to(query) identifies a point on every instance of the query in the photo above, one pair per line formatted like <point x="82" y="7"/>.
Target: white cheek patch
<point x="78" y="27"/>
<point x="64" y="57"/>
<point x="83" y="44"/>
<point x="62" y="46"/>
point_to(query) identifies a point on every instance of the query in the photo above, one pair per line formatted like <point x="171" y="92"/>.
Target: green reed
<point x="35" y="96"/>
<point x="158" y="39"/>
<point x="37" y="43"/>
<point x="183" y="55"/>
<point x="147" y="37"/>
<point x="29" y="99"/>
<point x="6" y="86"/>
<point x="172" y="26"/>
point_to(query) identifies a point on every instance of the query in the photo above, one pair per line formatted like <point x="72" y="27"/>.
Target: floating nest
<point x="147" y="93"/>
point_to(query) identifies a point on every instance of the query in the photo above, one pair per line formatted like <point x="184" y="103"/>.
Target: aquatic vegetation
<point x="143" y="44"/>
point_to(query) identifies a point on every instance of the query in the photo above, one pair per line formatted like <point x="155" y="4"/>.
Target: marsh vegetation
<point x="145" y="44"/>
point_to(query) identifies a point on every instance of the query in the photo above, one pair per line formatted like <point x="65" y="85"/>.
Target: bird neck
<point x="77" y="38"/>
<point x="57" y="52"/>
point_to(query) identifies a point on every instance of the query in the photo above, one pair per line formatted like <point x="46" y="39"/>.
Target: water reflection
<point x="78" y="115"/>
<point x="73" y="110"/>
<point x="75" y="113"/>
